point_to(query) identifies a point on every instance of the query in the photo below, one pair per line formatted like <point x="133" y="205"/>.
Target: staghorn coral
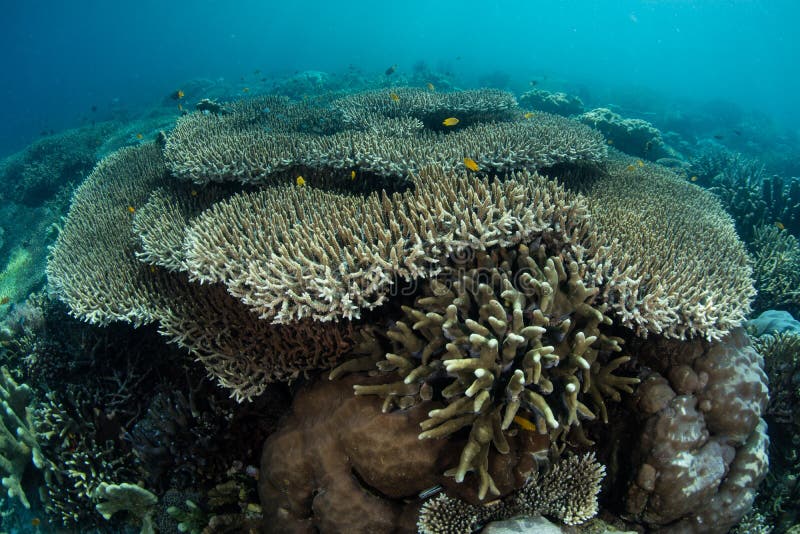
<point x="309" y="253"/>
<point x="568" y="492"/>
<point x="94" y="269"/>
<point x="382" y="144"/>
<point x="515" y="331"/>
<point x="477" y="105"/>
<point x="679" y="269"/>
<point x="776" y="259"/>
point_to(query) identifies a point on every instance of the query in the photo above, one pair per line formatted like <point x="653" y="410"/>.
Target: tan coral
<point x="678" y="267"/>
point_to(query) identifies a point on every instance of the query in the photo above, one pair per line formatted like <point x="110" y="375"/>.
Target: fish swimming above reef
<point x="450" y="121"/>
<point x="471" y="164"/>
<point x="395" y="97"/>
<point x="430" y="87"/>
<point x="391" y="70"/>
<point x="177" y="95"/>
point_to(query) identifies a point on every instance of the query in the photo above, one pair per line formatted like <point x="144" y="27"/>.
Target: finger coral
<point x="776" y="259"/>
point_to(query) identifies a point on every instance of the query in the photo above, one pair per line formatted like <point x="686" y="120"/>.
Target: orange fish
<point x="395" y="97"/>
<point x="524" y="423"/>
<point x="780" y="225"/>
<point x="194" y="192"/>
<point x="352" y="175"/>
<point x="450" y="121"/>
<point x="693" y="178"/>
<point x="131" y="209"/>
<point x="301" y="182"/>
<point x="471" y="164"/>
<point x="528" y="115"/>
<point x="431" y="87"/>
<point x="177" y="95"/>
<point x="139" y="136"/>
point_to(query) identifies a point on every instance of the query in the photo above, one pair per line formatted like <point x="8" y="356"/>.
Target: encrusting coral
<point x="679" y="269"/>
<point x="568" y="492"/>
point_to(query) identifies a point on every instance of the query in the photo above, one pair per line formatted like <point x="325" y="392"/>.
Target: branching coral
<point x="19" y="446"/>
<point x="776" y="258"/>
<point x="94" y="269"/>
<point x="679" y="268"/>
<point x="633" y="136"/>
<point x="514" y="332"/>
<point x="551" y="102"/>
<point x="568" y="492"/>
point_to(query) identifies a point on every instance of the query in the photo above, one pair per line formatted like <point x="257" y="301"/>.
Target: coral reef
<point x="19" y="445"/>
<point x="776" y="269"/>
<point x="383" y="141"/>
<point x="568" y="492"/>
<point x="130" y="498"/>
<point x="679" y="269"/>
<point x="51" y="163"/>
<point x="702" y="449"/>
<point x="780" y="492"/>
<point x="773" y="322"/>
<point x="557" y="102"/>
<point x="513" y="335"/>
<point x="635" y="137"/>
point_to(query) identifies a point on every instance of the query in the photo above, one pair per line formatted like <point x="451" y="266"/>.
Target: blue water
<point x="61" y="58"/>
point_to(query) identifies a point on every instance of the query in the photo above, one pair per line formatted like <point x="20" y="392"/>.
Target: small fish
<point x="610" y="142"/>
<point x="534" y="83"/>
<point x="450" y="121"/>
<point x="246" y="90"/>
<point x="424" y="494"/>
<point x="177" y="95"/>
<point x="301" y="182"/>
<point x="524" y="423"/>
<point x="780" y="225"/>
<point x="471" y="164"/>
<point x="352" y="175"/>
<point x="630" y="168"/>
<point x="131" y="209"/>
<point x="737" y="132"/>
<point x="180" y="107"/>
<point x="5" y="300"/>
<point x="391" y="70"/>
<point x="528" y="115"/>
<point x="430" y="87"/>
<point x="717" y="137"/>
<point x="395" y="97"/>
<point x="194" y="192"/>
<point x="35" y="522"/>
<point x="640" y="163"/>
<point x="693" y="178"/>
<point x="139" y="136"/>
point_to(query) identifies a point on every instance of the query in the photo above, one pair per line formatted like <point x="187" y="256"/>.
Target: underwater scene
<point x="422" y="267"/>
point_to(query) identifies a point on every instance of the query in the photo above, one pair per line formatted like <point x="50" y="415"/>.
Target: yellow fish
<point x="194" y="192"/>
<point x="450" y="121"/>
<point x="630" y="168"/>
<point x="471" y="165"/>
<point x="610" y="142"/>
<point x="177" y="95"/>
<point x="395" y="97"/>
<point x="431" y="87"/>
<point x="139" y="136"/>
<point x="246" y="90"/>
<point x="301" y="182"/>
<point x="528" y="115"/>
<point x="640" y="163"/>
<point x="180" y="108"/>
<point x="131" y="209"/>
<point x="780" y="225"/>
<point x="524" y="423"/>
<point x="352" y="175"/>
<point x="693" y="178"/>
